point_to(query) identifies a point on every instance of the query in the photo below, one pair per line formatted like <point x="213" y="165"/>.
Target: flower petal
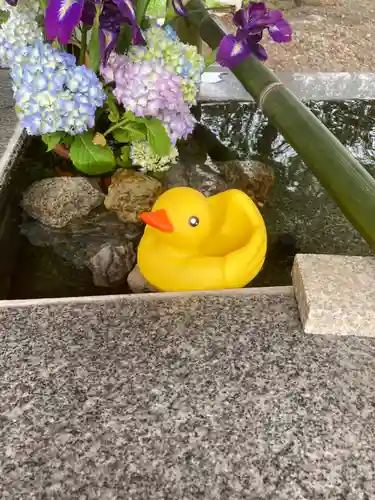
<point x="281" y="32"/>
<point x="179" y="7"/>
<point x="88" y="13"/>
<point x="257" y="8"/>
<point x="259" y="51"/>
<point x="240" y="18"/>
<point x="62" y="16"/>
<point x="108" y="40"/>
<point x="232" y="51"/>
<point x="274" y="17"/>
<point x="127" y="9"/>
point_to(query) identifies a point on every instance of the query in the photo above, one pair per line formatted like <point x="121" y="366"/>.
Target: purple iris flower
<point x="12" y="3"/>
<point x="179" y="7"/>
<point x="251" y="21"/>
<point x="62" y="16"/>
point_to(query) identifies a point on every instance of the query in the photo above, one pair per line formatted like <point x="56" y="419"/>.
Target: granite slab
<point x="181" y="397"/>
<point x="335" y="293"/>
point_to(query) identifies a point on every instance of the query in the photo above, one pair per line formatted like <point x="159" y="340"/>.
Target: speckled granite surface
<point x="8" y="119"/>
<point x="212" y="397"/>
<point x="336" y="294"/>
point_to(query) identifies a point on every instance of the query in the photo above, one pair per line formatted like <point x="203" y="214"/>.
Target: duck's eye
<point x="194" y="221"/>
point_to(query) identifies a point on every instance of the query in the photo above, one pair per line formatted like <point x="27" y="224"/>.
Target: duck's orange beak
<point x="158" y="219"/>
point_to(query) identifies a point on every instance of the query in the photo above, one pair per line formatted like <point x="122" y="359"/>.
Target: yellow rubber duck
<point x="193" y="242"/>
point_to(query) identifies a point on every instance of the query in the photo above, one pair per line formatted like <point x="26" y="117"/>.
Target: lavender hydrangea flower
<point x="147" y="88"/>
<point x="177" y="124"/>
<point x="52" y="93"/>
<point x="181" y="59"/>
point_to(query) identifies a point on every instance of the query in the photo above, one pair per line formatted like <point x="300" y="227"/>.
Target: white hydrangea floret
<point x="30" y="7"/>
<point x="20" y="30"/>
<point x="143" y="156"/>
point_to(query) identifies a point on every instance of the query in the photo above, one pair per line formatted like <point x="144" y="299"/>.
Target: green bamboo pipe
<point x="344" y="178"/>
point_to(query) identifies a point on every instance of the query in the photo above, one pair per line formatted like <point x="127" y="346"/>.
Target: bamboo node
<point x="266" y="91"/>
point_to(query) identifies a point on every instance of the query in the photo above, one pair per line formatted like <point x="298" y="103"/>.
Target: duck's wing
<point x="242" y="265"/>
<point x="194" y="273"/>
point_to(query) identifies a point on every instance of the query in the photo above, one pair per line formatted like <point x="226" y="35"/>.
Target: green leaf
<point x="137" y="131"/>
<point x="170" y="13"/>
<point x="52" y="140"/>
<point x="68" y="140"/>
<point x="121" y="135"/>
<point x="129" y="116"/>
<point x="211" y="58"/>
<point x="187" y="32"/>
<point x="90" y="158"/>
<point x="124" y="39"/>
<point x="4" y="15"/>
<point x="131" y="132"/>
<point x="94" y="46"/>
<point x="157" y="137"/>
<point x="141" y="7"/>
<point x="114" y="112"/>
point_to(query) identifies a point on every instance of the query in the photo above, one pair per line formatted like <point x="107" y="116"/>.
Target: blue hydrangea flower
<point x="52" y="93"/>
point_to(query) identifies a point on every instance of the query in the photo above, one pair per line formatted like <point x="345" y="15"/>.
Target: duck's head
<point x="181" y="216"/>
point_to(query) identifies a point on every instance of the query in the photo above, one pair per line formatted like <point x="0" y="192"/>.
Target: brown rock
<point x="131" y="193"/>
<point x="253" y="177"/>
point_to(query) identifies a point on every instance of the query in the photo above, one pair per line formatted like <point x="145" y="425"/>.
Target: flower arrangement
<point x="97" y="79"/>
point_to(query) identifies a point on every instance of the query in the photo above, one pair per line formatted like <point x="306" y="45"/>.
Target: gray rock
<point x="56" y="201"/>
<point x="252" y="177"/>
<point x="111" y="265"/>
<point x="131" y="193"/>
<point x="138" y="284"/>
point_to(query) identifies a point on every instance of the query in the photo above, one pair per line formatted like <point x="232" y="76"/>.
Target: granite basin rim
<point x="155" y="296"/>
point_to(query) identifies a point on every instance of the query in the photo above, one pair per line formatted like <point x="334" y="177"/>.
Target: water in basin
<point x="299" y="214"/>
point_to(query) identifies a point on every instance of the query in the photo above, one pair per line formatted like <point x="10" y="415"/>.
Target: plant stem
<point x="115" y="126"/>
<point x="82" y="55"/>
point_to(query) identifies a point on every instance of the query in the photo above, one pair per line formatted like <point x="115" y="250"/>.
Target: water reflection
<point x="299" y="205"/>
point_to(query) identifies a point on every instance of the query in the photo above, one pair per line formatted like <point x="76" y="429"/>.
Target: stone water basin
<point x="298" y="212"/>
